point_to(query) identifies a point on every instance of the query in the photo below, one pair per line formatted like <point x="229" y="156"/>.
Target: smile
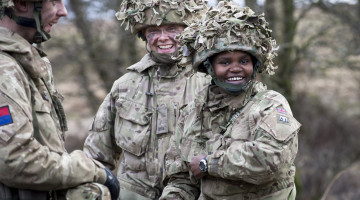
<point x="235" y="78"/>
<point x="166" y="46"/>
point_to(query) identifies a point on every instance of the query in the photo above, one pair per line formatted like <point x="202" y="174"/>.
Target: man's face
<point x="51" y="12"/>
<point x="161" y="39"/>
<point x="233" y="67"/>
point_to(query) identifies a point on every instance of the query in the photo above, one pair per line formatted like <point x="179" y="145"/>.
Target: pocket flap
<point x="280" y="124"/>
<point x="132" y="111"/>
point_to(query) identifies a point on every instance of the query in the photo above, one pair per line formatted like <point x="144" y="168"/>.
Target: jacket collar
<point x="218" y="100"/>
<point x="29" y="57"/>
<point x="147" y="62"/>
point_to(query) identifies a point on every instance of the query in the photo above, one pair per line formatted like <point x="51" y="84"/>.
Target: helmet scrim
<point x="230" y="27"/>
<point x="138" y="14"/>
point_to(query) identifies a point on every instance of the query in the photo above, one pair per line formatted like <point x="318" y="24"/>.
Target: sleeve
<point x="180" y="185"/>
<point x="24" y="162"/>
<point x="100" y="143"/>
<point x="268" y="156"/>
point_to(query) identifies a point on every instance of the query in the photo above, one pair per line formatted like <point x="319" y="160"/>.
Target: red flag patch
<point x="5" y="116"/>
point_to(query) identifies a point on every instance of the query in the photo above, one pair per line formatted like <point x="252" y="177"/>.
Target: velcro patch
<point x="283" y="119"/>
<point x="281" y="110"/>
<point x="5" y="116"/>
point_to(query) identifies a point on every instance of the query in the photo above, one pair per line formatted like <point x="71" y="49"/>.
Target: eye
<point x="153" y="31"/>
<point x="224" y="62"/>
<point x="171" y="29"/>
<point x="244" y="61"/>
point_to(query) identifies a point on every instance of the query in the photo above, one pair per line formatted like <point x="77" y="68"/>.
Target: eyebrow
<point x="228" y="57"/>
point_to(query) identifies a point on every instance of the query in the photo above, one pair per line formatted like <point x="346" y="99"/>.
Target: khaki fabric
<point x="126" y="194"/>
<point x="88" y="191"/>
<point x="250" y="158"/>
<point x="26" y="89"/>
<point x="137" y="118"/>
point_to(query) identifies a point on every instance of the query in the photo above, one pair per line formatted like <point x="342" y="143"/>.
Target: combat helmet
<point x="230" y="27"/>
<point x="139" y="14"/>
<point x="40" y="35"/>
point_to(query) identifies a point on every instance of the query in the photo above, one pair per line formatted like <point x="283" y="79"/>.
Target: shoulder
<point x="142" y="65"/>
<point x="266" y="99"/>
<point x="194" y="107"/>
<point x="272" y="113"/>
<point x="132" y="80"/>
<point x="12" y="76"/>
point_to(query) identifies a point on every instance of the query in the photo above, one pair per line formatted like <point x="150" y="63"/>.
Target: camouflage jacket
<point x="137" y="118"/>
<point x="35" y="158"/>
<point x="250" y="141"/>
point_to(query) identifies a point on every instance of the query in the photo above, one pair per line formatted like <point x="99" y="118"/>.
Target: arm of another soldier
<point x="100" y="143"/>
<point x="24" y="162"/>
<point x="269" y="155"/>
<point x="180" y="185"/>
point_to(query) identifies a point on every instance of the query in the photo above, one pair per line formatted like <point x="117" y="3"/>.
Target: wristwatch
<point x="203" y="165"/>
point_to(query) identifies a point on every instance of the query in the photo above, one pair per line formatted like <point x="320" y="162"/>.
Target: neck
<point x="25" y="32"/>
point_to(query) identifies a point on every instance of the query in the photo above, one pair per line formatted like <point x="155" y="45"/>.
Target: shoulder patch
<point x="5" y="116"/>
<point x="283" y="119"/>
<point x="281" y="110"/>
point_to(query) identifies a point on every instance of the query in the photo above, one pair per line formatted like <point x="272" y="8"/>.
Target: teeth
<point x="165" y="46"/>
<point x="235" y="78"/>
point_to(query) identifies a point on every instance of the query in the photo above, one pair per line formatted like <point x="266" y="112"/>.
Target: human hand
<point x="194" y="166"/>
<point x="112" y="183"/>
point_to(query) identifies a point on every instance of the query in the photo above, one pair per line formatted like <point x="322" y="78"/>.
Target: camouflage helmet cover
<point x="9" y="3"/>
<point x="230" y="27"/>
<point x="138" y="14"/>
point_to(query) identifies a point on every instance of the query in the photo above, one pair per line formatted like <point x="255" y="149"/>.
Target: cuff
<point x="101" y="175"/>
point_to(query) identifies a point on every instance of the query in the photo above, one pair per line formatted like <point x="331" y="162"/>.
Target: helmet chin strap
<point x="162" y="58"/>
<point x="40" y="35"/>
<point x="228" y="87"/>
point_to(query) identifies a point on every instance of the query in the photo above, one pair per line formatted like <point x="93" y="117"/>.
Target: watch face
<point x="203" y="165"/>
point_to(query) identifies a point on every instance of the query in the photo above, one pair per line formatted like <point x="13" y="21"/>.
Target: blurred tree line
<point x="319" y="68"/>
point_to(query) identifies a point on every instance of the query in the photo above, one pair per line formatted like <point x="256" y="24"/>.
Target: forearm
<point x="181" y="187"/>
<point x="33" y="166"/>
<point x="100" y="143"/>
<point x="255" y="162"/>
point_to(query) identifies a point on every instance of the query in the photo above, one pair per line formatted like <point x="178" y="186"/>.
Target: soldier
<point x="137" y="118"/>
<point x="33" y="161"/>
<point x="239" y="138"/>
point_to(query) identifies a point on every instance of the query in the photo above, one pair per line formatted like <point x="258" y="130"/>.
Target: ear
<point x="21" y="5"/>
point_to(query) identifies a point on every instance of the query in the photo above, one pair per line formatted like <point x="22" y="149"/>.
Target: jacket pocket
<point x="132" y="126"/>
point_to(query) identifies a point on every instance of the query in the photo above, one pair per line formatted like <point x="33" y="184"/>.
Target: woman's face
<point x="234" y="67"/>
<point x="161" y="39"/>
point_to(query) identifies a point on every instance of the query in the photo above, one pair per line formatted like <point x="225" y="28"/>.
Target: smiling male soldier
<point x="33" y="161"/>
<point x="138" y="116"/>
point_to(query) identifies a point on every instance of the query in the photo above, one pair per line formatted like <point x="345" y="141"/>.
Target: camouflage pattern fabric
<point x="253" y="158"/>
<point x="138" y="118"/>
<point x="137" y="15"/>
<point x="89" y="191"/>
<point x="29" y="162"/>
<point x="230" y="27"/>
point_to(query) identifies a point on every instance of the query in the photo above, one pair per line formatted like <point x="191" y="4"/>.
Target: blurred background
<point x="319" y="73"/>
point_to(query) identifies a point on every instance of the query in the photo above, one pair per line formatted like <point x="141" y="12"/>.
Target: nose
<point x="62" y="11"/>
<point x="236" y="67"/>
<point x="163" y="35"/>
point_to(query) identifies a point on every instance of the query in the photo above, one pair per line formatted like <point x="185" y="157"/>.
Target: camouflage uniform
<point x="248" y="133"/>
<point x="32" y="151"/>
<point x="251" y="159"/>
<point x="138" y="118"/>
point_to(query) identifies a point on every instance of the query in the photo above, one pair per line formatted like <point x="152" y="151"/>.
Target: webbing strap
<point x="233" y="118"/>
<point x="35" y="120"/>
